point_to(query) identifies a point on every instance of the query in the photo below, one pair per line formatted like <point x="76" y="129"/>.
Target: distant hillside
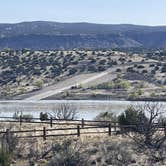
<point x="54" y="35"/>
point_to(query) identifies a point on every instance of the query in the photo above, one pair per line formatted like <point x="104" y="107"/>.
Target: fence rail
<point x="81" y="128"/>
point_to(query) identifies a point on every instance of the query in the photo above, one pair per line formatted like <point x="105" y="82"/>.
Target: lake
<point x="87" y="109"/>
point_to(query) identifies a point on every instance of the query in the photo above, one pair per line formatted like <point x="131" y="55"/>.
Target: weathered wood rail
<point x="79" y="127"/>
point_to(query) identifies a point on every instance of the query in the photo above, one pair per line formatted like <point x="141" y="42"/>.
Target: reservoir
<point x="87" y="109"/>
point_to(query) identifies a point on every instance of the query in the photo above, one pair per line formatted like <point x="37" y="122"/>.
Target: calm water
<point x="86" y="109"/>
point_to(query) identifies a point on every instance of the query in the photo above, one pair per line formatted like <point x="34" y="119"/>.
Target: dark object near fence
<point x="43" y="116"/>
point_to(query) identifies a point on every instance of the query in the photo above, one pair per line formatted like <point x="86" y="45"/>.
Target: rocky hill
<point x="53" y="35"/>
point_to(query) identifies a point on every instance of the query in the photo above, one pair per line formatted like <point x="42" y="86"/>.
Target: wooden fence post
<point x="20" y="120"/>
<point x="165" y="129"/>
<point x="115" y="127"/>
<point x="78" y="131"/>
<point x="7" y="136"/>
<point x="82" y="123"/>
<point x="44" y="133"/>
<point x="109" y="129"/>
<point x="51" y="122"/>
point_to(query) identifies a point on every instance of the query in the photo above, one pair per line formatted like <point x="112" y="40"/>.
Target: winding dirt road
<point x="65" y="85"/>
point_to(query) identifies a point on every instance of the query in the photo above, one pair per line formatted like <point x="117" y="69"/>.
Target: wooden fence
<point x="81" y="127"/>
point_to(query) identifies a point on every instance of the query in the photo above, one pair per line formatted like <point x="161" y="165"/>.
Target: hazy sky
<point x="145" y="12"/>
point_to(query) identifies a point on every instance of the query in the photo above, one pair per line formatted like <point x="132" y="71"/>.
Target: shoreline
<point x="87" y="99"/>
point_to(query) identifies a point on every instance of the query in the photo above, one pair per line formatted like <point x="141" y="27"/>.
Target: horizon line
<point x="79" y="22"/>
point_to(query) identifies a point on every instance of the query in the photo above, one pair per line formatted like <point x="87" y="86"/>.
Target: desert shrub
<point x="106" y="85"/>
<point x="72" y="71"/>
<point x="130" y="69"/>
<point x="135" y="94"/>
<point x="69" y="153"/>
<point x="106" y="116"/>
<point x="17" y="114"/>
<point x="153" y="72"/>
<point x="140" y="67"/>
<point x="163" y="69"/>
<point x="150" y="114"/>
<point x="102" y="62"/>
<point x="43" y="116"/>
<point x="101" y="68"/>
<point x="121" y="84"/>
<point x="27" y="117"/>
<point x="130" y="117"/>
<point x="144" y="71"/>
<point x="39" y="83"/>
<point x="118" y="70"/>
<point x="149" y="139"/>
<point x="153" y="94"/>
<point x="142" y="84"/>
<point x="132" y="95"/>
<point x="151" y="65"/>
<point x="9" y="142"/>
<point x="4" y="157"/>
<point x="116" y="84"/>
<point x="156" y="68"/>
<point x="139" y="92"/>
<point x="114" y="153"/>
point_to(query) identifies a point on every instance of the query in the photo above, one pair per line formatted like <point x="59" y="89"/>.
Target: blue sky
<point x="144" y="12"/>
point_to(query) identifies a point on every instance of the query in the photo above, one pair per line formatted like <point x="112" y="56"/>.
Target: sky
<point x="142" y="12"/>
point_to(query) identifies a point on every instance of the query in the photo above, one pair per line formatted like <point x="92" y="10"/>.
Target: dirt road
<point x="65" y="85"/>
<point x="82" y="79"/>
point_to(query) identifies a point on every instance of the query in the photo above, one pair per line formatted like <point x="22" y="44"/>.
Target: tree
<point x="148" y="131"/>
<point x="130" y="117"/>
<point x="149" y="138"/>
<point x="64" y="111"/>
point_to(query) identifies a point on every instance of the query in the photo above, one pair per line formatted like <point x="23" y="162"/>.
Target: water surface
<point x="87" y="109"/>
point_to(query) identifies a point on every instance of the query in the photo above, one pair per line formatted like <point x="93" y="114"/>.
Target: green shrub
<point x="116" y="84"/>
<point x="17" y="114"/>
<point x="121" y="84"/>
<point x="135" y="94"/>
<point x="130" y="117"/>
<point x="106" y="116"/>
<point x="139" y="92"/>
<point x="27" y="117"/>
<point x="43" y="116"/>
<point x="4" y="157"/>
<point x="153" y="94"/>
<point x="39" y="83"/>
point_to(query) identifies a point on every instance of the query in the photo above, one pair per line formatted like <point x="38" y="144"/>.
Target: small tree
<point x="149" y="135"/>
<point x="64" y="111"/>
<point x="130" y="117"/>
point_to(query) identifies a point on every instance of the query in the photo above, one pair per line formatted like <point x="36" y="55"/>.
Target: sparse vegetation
<point x="116" y="84"/>
<point x="25" y="71"/>
<point x="64" y="111"/>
